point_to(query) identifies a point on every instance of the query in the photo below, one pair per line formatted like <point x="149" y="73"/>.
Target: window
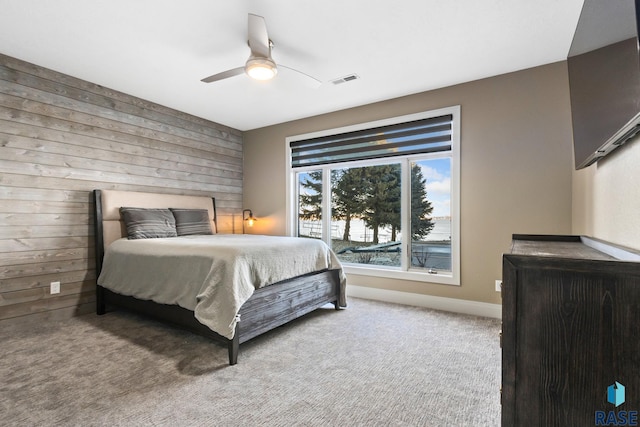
<point x="383" y="195"/>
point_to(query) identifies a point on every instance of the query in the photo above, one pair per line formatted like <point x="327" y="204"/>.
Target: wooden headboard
<point x="109" y="225"/>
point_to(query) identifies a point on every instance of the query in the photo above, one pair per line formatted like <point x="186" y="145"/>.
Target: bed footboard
<point x="275" y="305"/>
<point x="268" y="308"/>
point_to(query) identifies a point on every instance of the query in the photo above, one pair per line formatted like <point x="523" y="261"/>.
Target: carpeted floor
<point x="372" y="364"/>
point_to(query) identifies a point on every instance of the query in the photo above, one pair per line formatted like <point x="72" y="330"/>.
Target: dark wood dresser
<point x="570" y="329"/>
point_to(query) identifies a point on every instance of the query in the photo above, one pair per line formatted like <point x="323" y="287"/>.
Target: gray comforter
<point x="211" y="275"/>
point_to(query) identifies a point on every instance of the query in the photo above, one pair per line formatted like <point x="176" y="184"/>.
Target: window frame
<point x="404" y="272"/>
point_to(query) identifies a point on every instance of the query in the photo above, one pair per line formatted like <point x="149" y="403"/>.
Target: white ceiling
<point x="159" y="50"/>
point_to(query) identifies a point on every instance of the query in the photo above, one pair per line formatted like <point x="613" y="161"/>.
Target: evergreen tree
<point x="347" y="196"/>
<point x="382" y="203"/>
<point x="393" y="196"/>
<point x="310" y="203"/>
<point x="371" y="193"/>
<point x="421" y="208"/>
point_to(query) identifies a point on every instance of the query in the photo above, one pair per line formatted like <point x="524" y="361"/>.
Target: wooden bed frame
<point x="269" y="307"/>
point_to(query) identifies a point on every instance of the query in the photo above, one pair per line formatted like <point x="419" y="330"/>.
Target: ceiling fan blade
<point x="258" y="37"/>
<point x="224" y="75"/>
<point x="312" y="81"/>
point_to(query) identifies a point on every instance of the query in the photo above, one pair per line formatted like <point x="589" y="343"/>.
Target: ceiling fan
<point x="260" y="64"/>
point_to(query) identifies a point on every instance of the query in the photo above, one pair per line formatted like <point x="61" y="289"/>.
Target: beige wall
<point x="606" y="197"/>
<point x="516" y="167"/>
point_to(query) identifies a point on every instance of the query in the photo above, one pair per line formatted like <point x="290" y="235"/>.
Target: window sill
<point x="442" y="279"/>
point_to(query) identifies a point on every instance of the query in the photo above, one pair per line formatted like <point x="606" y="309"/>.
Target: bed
<point x="170" y="279"/>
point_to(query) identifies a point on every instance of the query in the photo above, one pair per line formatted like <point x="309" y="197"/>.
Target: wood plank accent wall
<point x="60" y="138"/>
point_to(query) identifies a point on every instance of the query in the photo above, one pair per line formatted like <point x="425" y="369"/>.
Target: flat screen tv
<point x="604" y="78"/>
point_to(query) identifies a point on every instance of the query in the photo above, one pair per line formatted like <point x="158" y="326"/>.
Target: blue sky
<point x="438" y="175"/>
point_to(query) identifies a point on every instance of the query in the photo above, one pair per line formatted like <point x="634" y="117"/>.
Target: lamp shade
<point x="261" y="68"/>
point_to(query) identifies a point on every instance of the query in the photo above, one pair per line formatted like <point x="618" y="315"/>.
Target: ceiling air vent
<point x="345" y="79"/>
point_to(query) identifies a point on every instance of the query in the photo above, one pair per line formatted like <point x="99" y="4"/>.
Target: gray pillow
<point x="148" y="223"/>
<point x="192" y="221"/>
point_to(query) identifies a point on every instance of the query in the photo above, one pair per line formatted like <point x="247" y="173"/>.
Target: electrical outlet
<point x="55" y="288"/>
<point x="498" y="285"/>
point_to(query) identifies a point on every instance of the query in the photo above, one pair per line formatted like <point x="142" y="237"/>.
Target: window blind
<point x="415" y="137"/>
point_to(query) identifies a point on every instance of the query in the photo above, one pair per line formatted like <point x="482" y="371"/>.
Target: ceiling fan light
<point x="261" y="69"/>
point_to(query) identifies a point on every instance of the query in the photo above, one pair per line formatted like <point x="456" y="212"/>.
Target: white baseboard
<point x="438" y="303"/>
